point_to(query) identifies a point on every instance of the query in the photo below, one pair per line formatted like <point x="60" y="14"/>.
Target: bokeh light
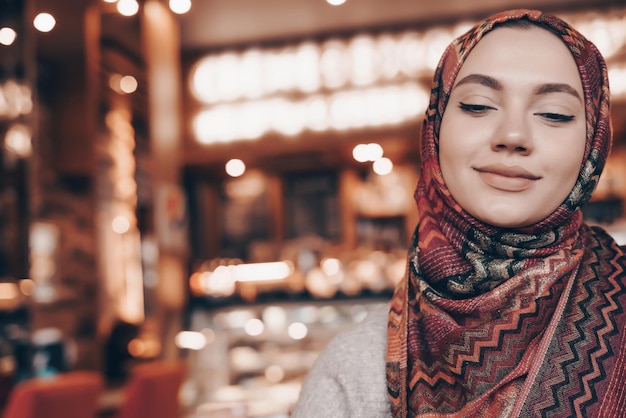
<point x="235" y="167"/>
<point x="7" y="36"/>
<point x="44" y="22"/>
<point x="180" y="6"/>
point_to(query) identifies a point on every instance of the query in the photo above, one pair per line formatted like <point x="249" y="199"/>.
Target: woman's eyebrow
<point x="557" y="88"/>
<point x="481" y="79"/>
<point x="492" y="83"/>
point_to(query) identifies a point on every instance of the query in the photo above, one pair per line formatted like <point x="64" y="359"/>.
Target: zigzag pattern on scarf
<point x="581" y="356"/>
<point x="589" y="340"/>
<point x="466" y="358"/>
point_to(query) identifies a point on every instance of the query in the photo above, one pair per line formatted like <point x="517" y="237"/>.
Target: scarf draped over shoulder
<point x="493" y="322"/>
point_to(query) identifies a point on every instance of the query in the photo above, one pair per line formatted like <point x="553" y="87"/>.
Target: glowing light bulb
<point x="44" y="22"/>
<point x="297" y="330"/>
<point x="128" y="84"/>
<point x="254" y="327"/>
<point x="18" y="140"/>
<point x="235" y="167"/>
<point x="127" y="7"/>
<point x="7" y="36"/>
<point x="120" y="224"/>
<point x="180" y="6"/>
<point x="375" y="151"/>
<point x="382" y="166"/>
<point x="359" y="153"/>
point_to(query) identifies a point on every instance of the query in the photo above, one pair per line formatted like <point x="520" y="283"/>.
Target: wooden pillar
<point x="161" y="48"/>
<point x="347" y="184"/>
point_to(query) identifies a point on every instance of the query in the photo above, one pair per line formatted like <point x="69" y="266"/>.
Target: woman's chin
<point x="508" y="219"/>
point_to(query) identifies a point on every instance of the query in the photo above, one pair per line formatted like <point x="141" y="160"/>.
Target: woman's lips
<point x="506" y="178"/>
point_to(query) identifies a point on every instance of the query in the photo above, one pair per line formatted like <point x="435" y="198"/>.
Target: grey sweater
<point x="348" y="378"/>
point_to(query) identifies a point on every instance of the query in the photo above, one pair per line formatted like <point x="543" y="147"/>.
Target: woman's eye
<point x="475" y="109"/>
<point x="556" y="117"/>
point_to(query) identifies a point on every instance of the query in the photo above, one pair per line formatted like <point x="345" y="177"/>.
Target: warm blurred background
<point x="222" y="183"/>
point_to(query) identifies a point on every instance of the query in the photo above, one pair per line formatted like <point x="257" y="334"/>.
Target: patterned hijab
<point x="501" y="322"/>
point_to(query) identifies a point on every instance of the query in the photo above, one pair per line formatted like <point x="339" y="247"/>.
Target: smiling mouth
<point x="507" y="171"/>
<point x="507" y="178"/>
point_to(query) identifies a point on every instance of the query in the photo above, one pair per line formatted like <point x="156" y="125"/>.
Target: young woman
<point x="512" y="306"/>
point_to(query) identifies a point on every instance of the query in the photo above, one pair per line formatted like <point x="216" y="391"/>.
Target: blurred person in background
<point x="512" y="306"/>
<point x="117" y="358"/>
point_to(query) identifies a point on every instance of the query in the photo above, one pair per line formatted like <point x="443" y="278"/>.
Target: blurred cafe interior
<point x="206" y="192"/>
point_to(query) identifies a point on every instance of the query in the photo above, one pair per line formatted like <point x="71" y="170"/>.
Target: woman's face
<point x="512" y="136"/>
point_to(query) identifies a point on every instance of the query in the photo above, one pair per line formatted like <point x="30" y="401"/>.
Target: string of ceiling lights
<point x="131" y="7"/>
<point x="45" y="22"/>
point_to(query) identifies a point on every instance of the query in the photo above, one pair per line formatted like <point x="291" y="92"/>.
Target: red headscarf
<point x="501" y="322"/>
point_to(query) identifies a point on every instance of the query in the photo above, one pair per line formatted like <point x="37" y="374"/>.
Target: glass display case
<point x="251" y="360"/>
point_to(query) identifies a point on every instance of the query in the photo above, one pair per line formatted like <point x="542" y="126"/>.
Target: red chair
<point x="152" y="391"/>
<point x="67" y="395"/>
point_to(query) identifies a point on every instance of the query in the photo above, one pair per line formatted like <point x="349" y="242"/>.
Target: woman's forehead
<point x="507" y="43"/>
<point x="527" y="54"/>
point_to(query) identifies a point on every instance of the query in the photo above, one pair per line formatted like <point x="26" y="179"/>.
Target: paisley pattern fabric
<point x="493" y="322"/>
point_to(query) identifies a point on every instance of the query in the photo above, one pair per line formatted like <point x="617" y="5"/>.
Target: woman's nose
<point x="513" y="135"/>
